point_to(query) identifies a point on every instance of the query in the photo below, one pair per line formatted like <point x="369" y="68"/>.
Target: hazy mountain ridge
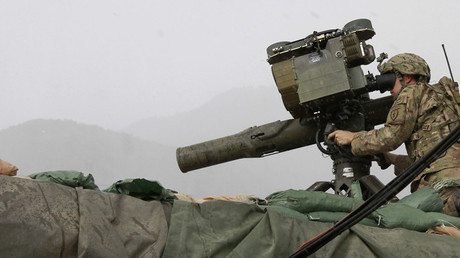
<point x="45" y="145"/>
<point x="225" y="114"/>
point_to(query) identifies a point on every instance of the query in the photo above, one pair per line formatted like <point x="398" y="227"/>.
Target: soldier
<point x="421" y="116"/>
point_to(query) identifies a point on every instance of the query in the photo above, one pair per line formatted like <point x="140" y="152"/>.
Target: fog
<point x="114" y="63"/>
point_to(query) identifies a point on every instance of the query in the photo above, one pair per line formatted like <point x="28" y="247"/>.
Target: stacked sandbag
<point x="418" y="211"/>
<point x="7" y="169"/>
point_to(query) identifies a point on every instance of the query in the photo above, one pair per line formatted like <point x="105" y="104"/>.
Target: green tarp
<point x="44" y="219"/>
<point x="227" y="229"/>
<point x="70" y="178"/>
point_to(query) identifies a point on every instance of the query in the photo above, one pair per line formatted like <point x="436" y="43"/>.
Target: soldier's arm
<point x="397" y="129"/>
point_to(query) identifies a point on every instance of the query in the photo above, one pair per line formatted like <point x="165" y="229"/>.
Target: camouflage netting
<point x="45" y="219"/>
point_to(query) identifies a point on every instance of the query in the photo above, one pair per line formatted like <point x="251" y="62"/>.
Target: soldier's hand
<point x="341" y="137"/>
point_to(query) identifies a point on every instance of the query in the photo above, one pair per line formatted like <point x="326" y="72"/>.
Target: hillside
<point x="227" y="113"/>
<point x="44" y="145"/>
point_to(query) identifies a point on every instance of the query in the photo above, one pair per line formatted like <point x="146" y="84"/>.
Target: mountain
<point x="227" y="113"/>
<point x="147" y="149"/>
<point x="47" y="145"/>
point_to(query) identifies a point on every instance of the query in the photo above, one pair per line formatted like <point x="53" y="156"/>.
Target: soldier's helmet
<point x="407" y="63"/>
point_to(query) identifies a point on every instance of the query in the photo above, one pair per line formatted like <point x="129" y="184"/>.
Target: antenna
<point x="448" y="64"/>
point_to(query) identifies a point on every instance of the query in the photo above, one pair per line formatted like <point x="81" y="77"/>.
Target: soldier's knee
<point x="456" y="200"/>
<point x="452" y="205"/>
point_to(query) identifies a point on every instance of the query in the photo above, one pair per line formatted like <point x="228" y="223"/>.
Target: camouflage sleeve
<point x="400" y="123"/>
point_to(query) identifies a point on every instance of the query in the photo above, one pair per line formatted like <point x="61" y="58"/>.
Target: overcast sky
<point x="114" y="62"/>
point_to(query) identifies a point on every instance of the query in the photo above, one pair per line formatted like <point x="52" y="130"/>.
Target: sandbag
<point x="142" y="189"/>
<point x="307" y="201"/>
<point x="418" y="211"/>
<point x="7" y="169"/>
<point x="398" y="215"/>
<point x="70" y="178"/>
<point x="444" y="230"/>
<point x="444" y="219"/>
<point x="425" y="199"/>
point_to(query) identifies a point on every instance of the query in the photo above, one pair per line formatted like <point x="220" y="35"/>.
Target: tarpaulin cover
<point x="226" y="229"/>
<point x="44" y="219"/>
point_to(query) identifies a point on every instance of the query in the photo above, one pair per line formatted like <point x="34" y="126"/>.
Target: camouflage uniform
<point x="421" y="116"/>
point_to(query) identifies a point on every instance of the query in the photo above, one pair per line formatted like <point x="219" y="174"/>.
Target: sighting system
<point x="323" y="86"/>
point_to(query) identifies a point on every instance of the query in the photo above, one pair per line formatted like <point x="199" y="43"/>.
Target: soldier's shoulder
<point x="416" y="86"/>
<point x="415" y="89"/>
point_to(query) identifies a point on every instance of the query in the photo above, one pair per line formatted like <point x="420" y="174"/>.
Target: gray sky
<point x="114" y="62"/>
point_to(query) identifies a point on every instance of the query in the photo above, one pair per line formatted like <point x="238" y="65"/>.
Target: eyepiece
<point x="385" y="81"/>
